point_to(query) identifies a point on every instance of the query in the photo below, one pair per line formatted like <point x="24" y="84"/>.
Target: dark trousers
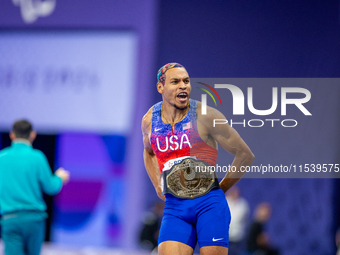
<point x="236" y="248"/>
<point x="22" y="236"/>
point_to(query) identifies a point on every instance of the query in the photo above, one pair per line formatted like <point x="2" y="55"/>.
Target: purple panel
<point x="75" y="204"/>
<point x="94" y="201"/>
<point x="85" y="155"/>
<point x="79" y="196"/>
<point x="77" y="13"/>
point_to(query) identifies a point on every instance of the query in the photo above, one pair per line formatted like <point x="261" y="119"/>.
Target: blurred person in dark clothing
<point x="258" y="242"/>
<point x="151" y="225"/>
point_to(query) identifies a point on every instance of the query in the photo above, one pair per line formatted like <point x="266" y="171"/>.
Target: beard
<point x="181" y="108"/>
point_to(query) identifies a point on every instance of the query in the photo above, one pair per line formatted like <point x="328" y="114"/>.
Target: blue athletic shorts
<point x="204" y="220"/>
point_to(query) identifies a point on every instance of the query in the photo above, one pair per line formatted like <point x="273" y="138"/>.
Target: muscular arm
<point x="230" y="140"/>
<point x="150" y="160"/>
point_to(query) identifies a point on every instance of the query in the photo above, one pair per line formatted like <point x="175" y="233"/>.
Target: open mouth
<point x="182" y="97"/>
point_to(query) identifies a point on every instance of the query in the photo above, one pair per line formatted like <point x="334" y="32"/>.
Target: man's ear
<point x="32" y="137"/>
<point x="160" y="87"/>
<point x="12" y="136"/>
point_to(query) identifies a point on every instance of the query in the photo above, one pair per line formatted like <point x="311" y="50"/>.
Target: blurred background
<point x="84" y="73"/>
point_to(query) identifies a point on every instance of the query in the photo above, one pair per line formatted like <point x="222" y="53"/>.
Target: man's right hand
<point x="160" y="195"/>
<point x="63" y="174"/>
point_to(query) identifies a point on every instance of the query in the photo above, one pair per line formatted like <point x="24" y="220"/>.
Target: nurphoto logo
<point x="238" y="107"/>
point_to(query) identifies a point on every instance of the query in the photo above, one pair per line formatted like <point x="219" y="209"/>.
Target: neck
<point x="22" y="140"/>
<point x="172" y="114"/>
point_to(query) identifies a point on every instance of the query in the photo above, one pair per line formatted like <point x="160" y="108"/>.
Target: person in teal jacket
<point x="24" y="175"/>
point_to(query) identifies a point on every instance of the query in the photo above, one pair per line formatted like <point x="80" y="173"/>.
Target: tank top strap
<point x="193" y="107"/>
<point x="156" y="112"/>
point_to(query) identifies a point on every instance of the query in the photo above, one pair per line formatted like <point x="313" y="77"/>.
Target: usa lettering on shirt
<point x="173" y="143"/>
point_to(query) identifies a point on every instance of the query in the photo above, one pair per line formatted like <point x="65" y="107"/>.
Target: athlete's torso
<point x="171" y="146"/>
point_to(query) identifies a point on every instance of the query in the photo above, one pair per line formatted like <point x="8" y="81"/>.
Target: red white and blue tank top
<point x="172" y="147"/>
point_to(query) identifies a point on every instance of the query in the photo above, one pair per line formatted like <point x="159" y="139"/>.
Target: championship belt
<point x="189" y="178"/>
